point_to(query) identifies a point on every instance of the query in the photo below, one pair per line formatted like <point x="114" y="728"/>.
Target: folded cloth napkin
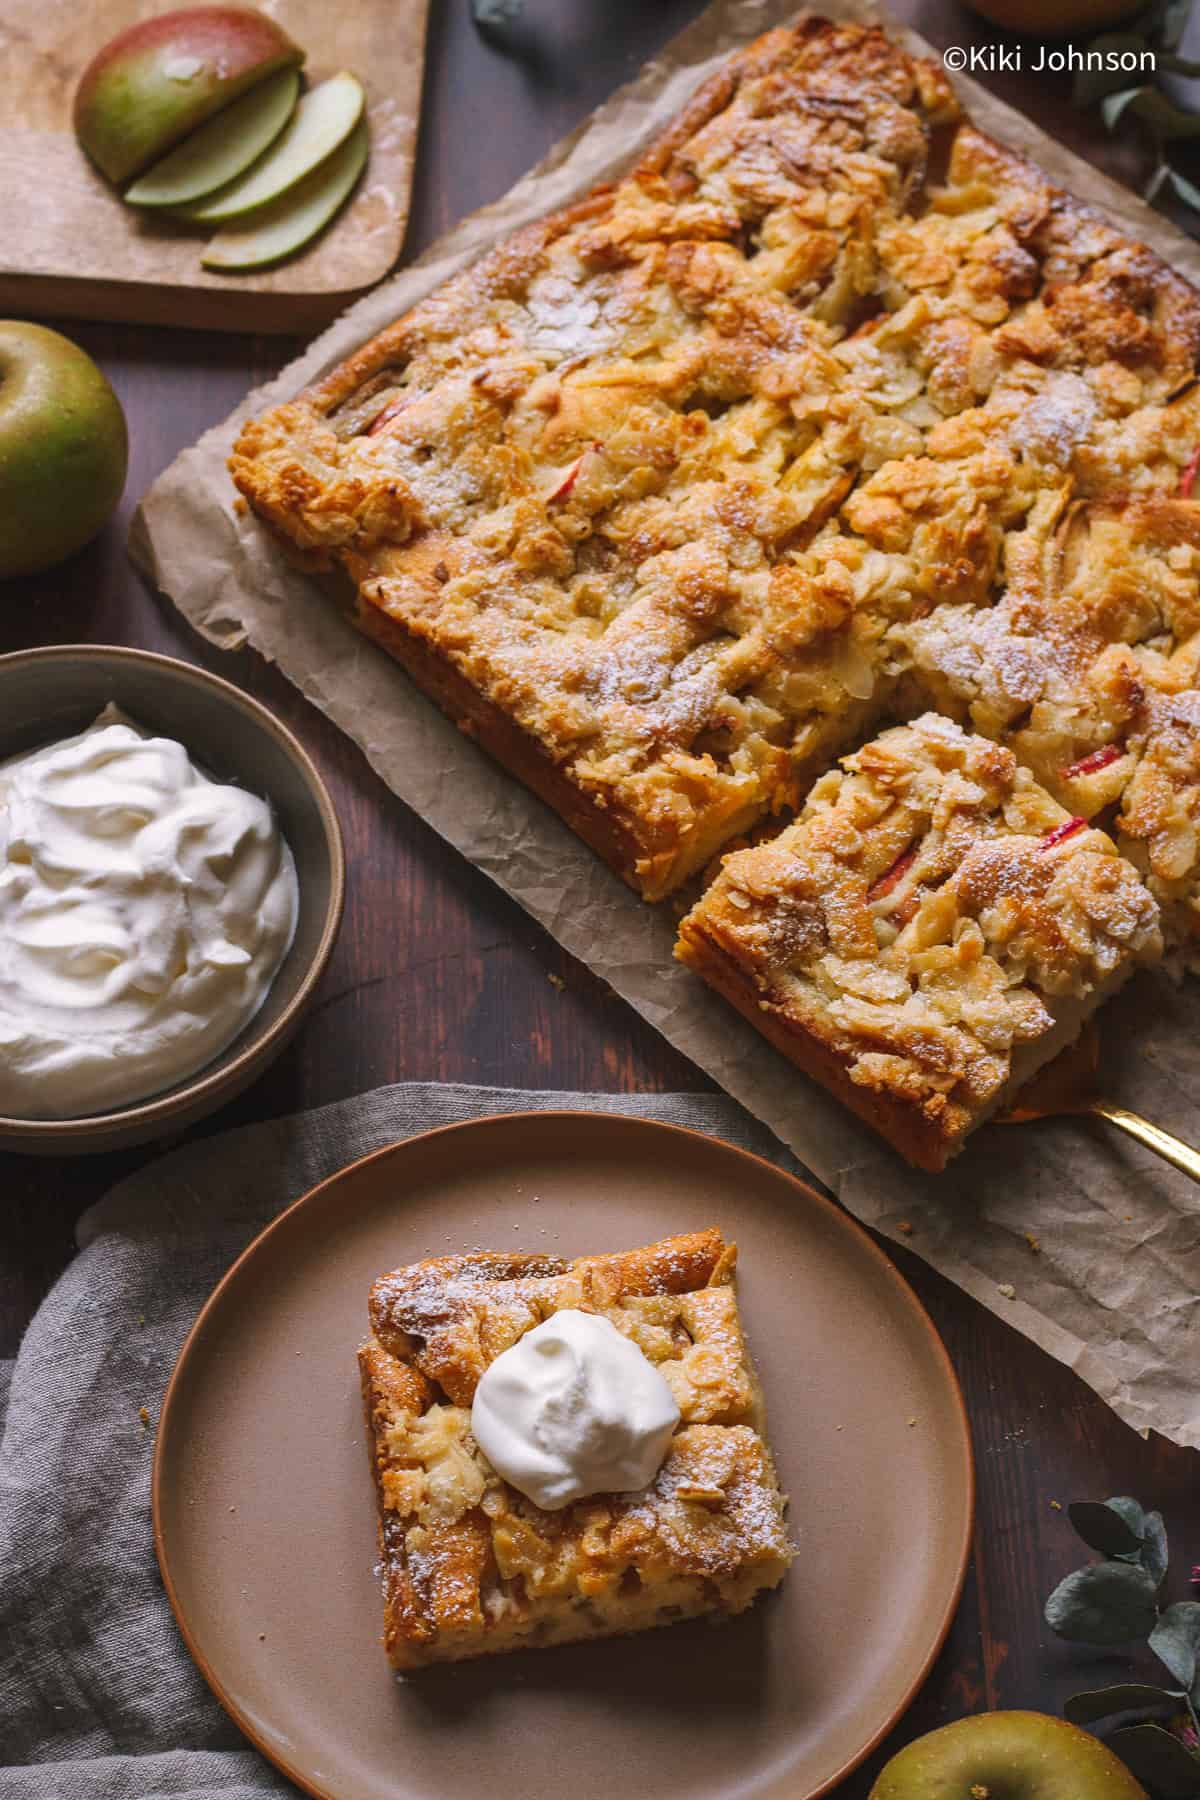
<point x="98" y="1697"/>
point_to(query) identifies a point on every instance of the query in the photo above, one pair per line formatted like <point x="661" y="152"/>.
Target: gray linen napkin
<point x="98" y="1697"/>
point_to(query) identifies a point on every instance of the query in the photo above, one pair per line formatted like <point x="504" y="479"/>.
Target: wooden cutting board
<point x="69" y="248"/>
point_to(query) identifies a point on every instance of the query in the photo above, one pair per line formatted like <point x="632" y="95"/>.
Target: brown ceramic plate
<point x="264" y="1511"/>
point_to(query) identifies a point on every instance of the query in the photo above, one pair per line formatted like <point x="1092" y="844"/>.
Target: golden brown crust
<point x="493" y="730"/>
<point x="926" y="1142"/>
<point x="471" y="1567"/>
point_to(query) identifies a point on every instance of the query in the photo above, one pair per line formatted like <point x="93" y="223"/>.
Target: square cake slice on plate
<point x="470" y="1564"/>
<point x="931" y="930"/>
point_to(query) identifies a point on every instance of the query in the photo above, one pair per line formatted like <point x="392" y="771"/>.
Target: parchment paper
<point x="1110" y="1283"/>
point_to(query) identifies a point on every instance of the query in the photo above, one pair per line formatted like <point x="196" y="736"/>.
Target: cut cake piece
<point x="1091" y="651"/>
<point x="1019" y="319"/>
<point x="931" y="930"/>
<point x="470" y="1566"/>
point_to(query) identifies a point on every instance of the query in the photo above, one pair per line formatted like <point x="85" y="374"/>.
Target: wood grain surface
<point x="438" y="976"/>
<point x="68" y="244"/>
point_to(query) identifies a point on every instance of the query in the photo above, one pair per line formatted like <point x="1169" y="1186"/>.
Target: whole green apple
<point x="63" y="448"/>
<point x="1007" y="1756"/>
<point x="155" y="82"/>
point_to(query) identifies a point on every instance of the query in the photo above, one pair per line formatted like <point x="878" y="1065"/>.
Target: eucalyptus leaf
<point x="1106" y="1603"/>
<point x="493" y="13"/>
<point x="1127" y="1696"/>
<point x="1153" y="1556"/>
<point x="1162" y="116"/>
<point x="1158" y="1759"/>
<point x="1175" y="1640"/>
<point x="1131" y="1510"/>
<point x="1113" y="105"/>
<point x="1103" y="1527"/>
<point x="1090" y="85"/>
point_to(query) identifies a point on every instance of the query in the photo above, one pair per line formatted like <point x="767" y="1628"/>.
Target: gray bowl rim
<point x="207" y="1087"/>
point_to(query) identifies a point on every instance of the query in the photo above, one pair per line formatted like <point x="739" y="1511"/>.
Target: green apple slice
<point x="296" y="217"/>
<point x="324" y="119"/>
<point x="223" y="148"/>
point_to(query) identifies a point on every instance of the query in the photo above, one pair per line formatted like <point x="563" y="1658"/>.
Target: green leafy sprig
<point x="1162" y="120"/>
<point x="1154" y="1730"/>
<point x="495" y="15"/>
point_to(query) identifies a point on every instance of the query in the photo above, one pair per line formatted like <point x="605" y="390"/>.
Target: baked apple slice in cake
<point x="931" y="930"/>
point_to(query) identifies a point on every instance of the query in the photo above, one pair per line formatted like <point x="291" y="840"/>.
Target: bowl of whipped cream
<point x="171" y="885"/>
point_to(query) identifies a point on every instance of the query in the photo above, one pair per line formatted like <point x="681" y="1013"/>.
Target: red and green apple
<point x="154" y="83"/>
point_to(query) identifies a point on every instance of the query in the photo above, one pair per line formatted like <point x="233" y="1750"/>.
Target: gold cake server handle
<point x="1067" y="1085"/>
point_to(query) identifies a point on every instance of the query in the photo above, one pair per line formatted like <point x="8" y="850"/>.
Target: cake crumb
<point x="1035" y="1244"/>
<point x="905" y="1226"/>
<point x="1056" y="1505"/>
<point x="1007" y="1289"/>
<point x="556" y="981"/>
<point x="911" y="1423"/>
<point x="144" y="1416"/>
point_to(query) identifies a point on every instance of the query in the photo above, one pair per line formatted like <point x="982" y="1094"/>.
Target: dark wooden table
<point x="478" y="992"/>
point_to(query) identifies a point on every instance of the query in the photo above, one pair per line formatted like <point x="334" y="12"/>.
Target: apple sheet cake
<point x="469" y="1565"/>
<point x="832" y="411"/>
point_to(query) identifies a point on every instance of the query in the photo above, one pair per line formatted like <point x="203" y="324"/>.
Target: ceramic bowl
<point x="49" y="694"/>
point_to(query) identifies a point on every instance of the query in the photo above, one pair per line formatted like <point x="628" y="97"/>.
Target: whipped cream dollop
<point x="573" y="1408"/>
<point x="144" y="912"/>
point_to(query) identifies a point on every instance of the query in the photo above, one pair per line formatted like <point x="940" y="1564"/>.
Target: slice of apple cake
<point x="470" y="1564"/>
<point x="931" y="930"/>
<point x="1101" y="611"/>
